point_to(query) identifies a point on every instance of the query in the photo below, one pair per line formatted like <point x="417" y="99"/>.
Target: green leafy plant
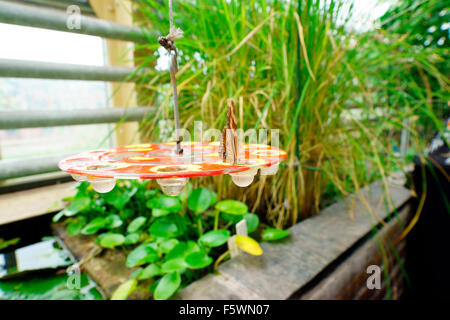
<point x="271" y="234"/>
<point x="171" y="240"/>
<point x="6" y="243"/>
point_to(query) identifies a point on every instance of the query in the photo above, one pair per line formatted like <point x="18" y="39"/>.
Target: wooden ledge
<point x="107" y="267"/>
<point x="35" y="202"/>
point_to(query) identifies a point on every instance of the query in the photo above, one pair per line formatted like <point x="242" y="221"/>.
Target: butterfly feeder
<point x="173" y="163"/>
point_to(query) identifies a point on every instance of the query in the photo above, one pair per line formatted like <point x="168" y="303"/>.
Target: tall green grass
<point x="338" y="97"/>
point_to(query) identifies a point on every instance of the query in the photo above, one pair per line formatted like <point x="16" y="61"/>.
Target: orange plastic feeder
<point x="172" y="171"/>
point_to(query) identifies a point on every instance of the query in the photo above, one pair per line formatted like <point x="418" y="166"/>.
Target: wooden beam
<point x="120" y="53"/>
<point x="348" y="280"/>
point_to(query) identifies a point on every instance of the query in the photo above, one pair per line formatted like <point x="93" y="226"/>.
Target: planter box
<point x="106" y="267"/>
<point x="326" y="256"/>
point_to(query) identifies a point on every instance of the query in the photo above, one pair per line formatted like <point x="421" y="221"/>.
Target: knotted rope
<point x="167" y="42"/>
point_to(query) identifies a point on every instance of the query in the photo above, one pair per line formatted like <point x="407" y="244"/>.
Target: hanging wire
<point x="168" y="43"/>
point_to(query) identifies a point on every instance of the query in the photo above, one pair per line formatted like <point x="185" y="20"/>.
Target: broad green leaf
<point x="58" y="216"/>
<point x="177" y="251"/>
<point x="68" y="199"/>
<point x="112" y="240"/>
<point x="152" y="245"/>
<point x="136" y="224"/>
<point x="173" y="265"/>
<point x="182" y="222"/>
<point x="233" y="218"/>
<point x="149" y="272"/>
<point x="119" y="197"/>
<point x="232" y="207"/>
<point x="100" y="237"/>
<point x="214" y="197"/>
<point x="127" y="213"/>
<point x="198" y="260"/>
<point x="191" y="246"/>
<point x="167" y="286"/>
<point x="186" y="192"/>
<point x="95" y="225"/>
<point x="200" y="200"/>
<point x="78" y="205"/>
<point x="136" y="273"/>
<point x="163" y="202"/>
<point x="167" y="245"/>
<point x="181" y="250"/>
<point x="252" y="222"/>
<point x="124" y="290"/>
<point x="6" y="243"/>
<point x="215" y="238"/>
<point x="75" y="227"/>
<point x="154" y="285"/>
<point x="248" y="245"/>
<point x="132" y="238"/>
<point x="83" y="189"/>
<point x="151" y="193"/>
<point x="271" y="234"/>
<point x="159" y="213"/>
<point x="114" y="221"/>
<point x="165" y="227"/>
<point x="141" y="254"/>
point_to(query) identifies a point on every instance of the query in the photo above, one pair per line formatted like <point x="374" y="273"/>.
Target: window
<point x="25" y="43"/>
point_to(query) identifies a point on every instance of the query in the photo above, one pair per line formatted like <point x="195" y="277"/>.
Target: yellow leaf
<point x="248" y="245"/>
<point x="124" y="290"/>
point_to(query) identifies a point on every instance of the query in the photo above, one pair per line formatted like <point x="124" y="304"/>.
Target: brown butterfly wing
<point x="229" y="143"/>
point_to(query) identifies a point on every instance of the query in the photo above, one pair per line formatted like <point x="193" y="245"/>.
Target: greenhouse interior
<point x="262" y="150"/>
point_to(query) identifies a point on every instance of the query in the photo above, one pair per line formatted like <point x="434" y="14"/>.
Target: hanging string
<point x="170" y="15"/>
<point x="167" y="42"/>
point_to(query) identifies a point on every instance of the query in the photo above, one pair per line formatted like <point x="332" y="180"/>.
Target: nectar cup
<point x="172" y="186"/>
<point x="102" y="185"/>
<point x="243" y="179"/>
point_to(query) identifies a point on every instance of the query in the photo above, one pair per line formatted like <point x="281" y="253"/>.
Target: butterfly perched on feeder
<point x="228" y="149"/>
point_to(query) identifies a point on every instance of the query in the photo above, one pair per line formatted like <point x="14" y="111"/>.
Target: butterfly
<point x="228" y="149"/>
